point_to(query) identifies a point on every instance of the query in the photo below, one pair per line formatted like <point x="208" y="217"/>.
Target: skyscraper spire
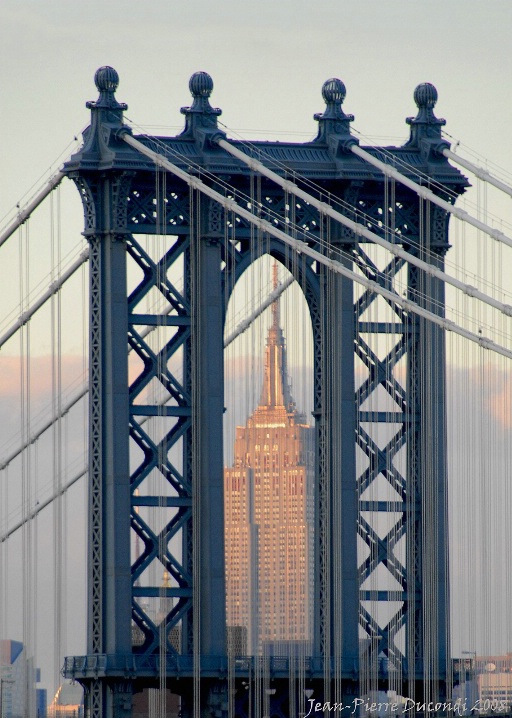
<point x="275" y="305"/>
<point x="276" y="390"/>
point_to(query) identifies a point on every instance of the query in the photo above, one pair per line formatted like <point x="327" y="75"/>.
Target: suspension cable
<point x="25" y="213"/>
<point x="426" y="193"/>
<point x="40" y="506"/>
<point x="333" y="200"/>
<point x="71" y="482"/>
<point x="296" y="244"/>
<point x="52" y="289"/>
<point x="428" y="268"/>
<point x="240" y="329"/>
<point x="422" y="178"/>
<point x="246" y="323"/>
<point x="36" y="435"/>
<point x="479" y="172"/>
<point x="303" y="248"/>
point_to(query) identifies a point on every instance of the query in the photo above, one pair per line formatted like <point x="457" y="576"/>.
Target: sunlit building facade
<point x="269" y="520"/>
<point x="68" y="701"/>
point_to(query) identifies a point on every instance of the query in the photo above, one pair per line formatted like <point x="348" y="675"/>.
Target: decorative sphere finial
<point x="106" y="79"/>
<point x="334" y="90"/>
<point x="425" y="125"/>
<point x="333" y="121"/>
<point x="201" y="114"/>
<point x="200" y="84"/>
<point x="425" y="96"/>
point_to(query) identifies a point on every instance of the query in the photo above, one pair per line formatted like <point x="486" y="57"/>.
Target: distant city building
<point x="486" y="679"/>
<point x="236" y="640"/>
<point x="495" y="688"/>
<point x="269" y="519"/>
<point x="41" y="702"/>
<point x="19" y="696"/>
<point x="68" y="702"/>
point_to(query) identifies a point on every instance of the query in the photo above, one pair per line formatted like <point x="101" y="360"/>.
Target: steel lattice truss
<point x="175" y="413"/>
<point x="380" y="460"/>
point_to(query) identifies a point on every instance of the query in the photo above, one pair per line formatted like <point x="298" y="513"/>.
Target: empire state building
<point x="269" y="518"/>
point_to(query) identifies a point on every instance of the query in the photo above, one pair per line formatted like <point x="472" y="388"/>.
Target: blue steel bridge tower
<point x="125" y="196"/>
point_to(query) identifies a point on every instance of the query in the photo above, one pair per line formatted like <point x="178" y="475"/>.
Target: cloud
<point x="39" y="376"/>
<point x="14" y="377"/>
<point x="487" y="388"/>
<point x="498" y="392"/>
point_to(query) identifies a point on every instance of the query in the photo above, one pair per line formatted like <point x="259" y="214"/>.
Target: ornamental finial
<point x="425" y="124"/>
<point x="201" y="115"/>
<point x="106" y="80"/>
<point x="333" y="121"/>
<point x="425" y="97"/>
<point x="200" y="85"/>
<point x="334" y="92"/>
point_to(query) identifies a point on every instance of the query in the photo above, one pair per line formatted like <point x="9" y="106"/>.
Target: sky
<point x="268" y="60"/>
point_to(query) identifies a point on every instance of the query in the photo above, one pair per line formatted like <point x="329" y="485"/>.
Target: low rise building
<point x="19" y="695"/>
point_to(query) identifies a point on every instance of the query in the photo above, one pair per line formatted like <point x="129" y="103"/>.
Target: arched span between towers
<point x="142" y="633"/>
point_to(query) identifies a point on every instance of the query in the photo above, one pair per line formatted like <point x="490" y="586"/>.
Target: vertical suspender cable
<point x="195" y="255"/>
<point x="25" y="460"/>
<point x="230" y="638"/>
<point x="160" y="619"/>
<point x="56" y="385"/>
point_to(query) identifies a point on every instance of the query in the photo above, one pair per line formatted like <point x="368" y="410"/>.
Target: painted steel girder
<point x="152" y="547"/>
<point x="381" y="551"/>
<point x="156" y="366"/>
<point x="380" y="373"/>
<point x="381" y="461"/>
<point x="144" y="216"/>
<point x="384" y="637"/>
<point x="383" y="277"/>
<point x="155" y="275"/>
<point x="151" y="630"/>
<point x="154" y="453"/>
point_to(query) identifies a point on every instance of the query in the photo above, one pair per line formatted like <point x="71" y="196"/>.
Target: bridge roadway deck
<point x="141" y="666"/>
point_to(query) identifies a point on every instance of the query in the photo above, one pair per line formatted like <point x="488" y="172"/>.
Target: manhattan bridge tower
<point x="156" y="437"/>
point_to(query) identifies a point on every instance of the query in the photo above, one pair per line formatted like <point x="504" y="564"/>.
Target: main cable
<point x="25" y="213"/>
<point x="356" y="211"/>
<point x="360" y="230"/>
<point x="479" y="172"/>
<point x="426" y="193"/>
<point x="303" y="248"/>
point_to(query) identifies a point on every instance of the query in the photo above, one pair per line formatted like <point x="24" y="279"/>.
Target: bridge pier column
<point x="109" y="574"/>
<point x="337" y="603"/>
<point x="208" y="411"/>
<point x="204" y="279"/>
<point x="428" y="633"/>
